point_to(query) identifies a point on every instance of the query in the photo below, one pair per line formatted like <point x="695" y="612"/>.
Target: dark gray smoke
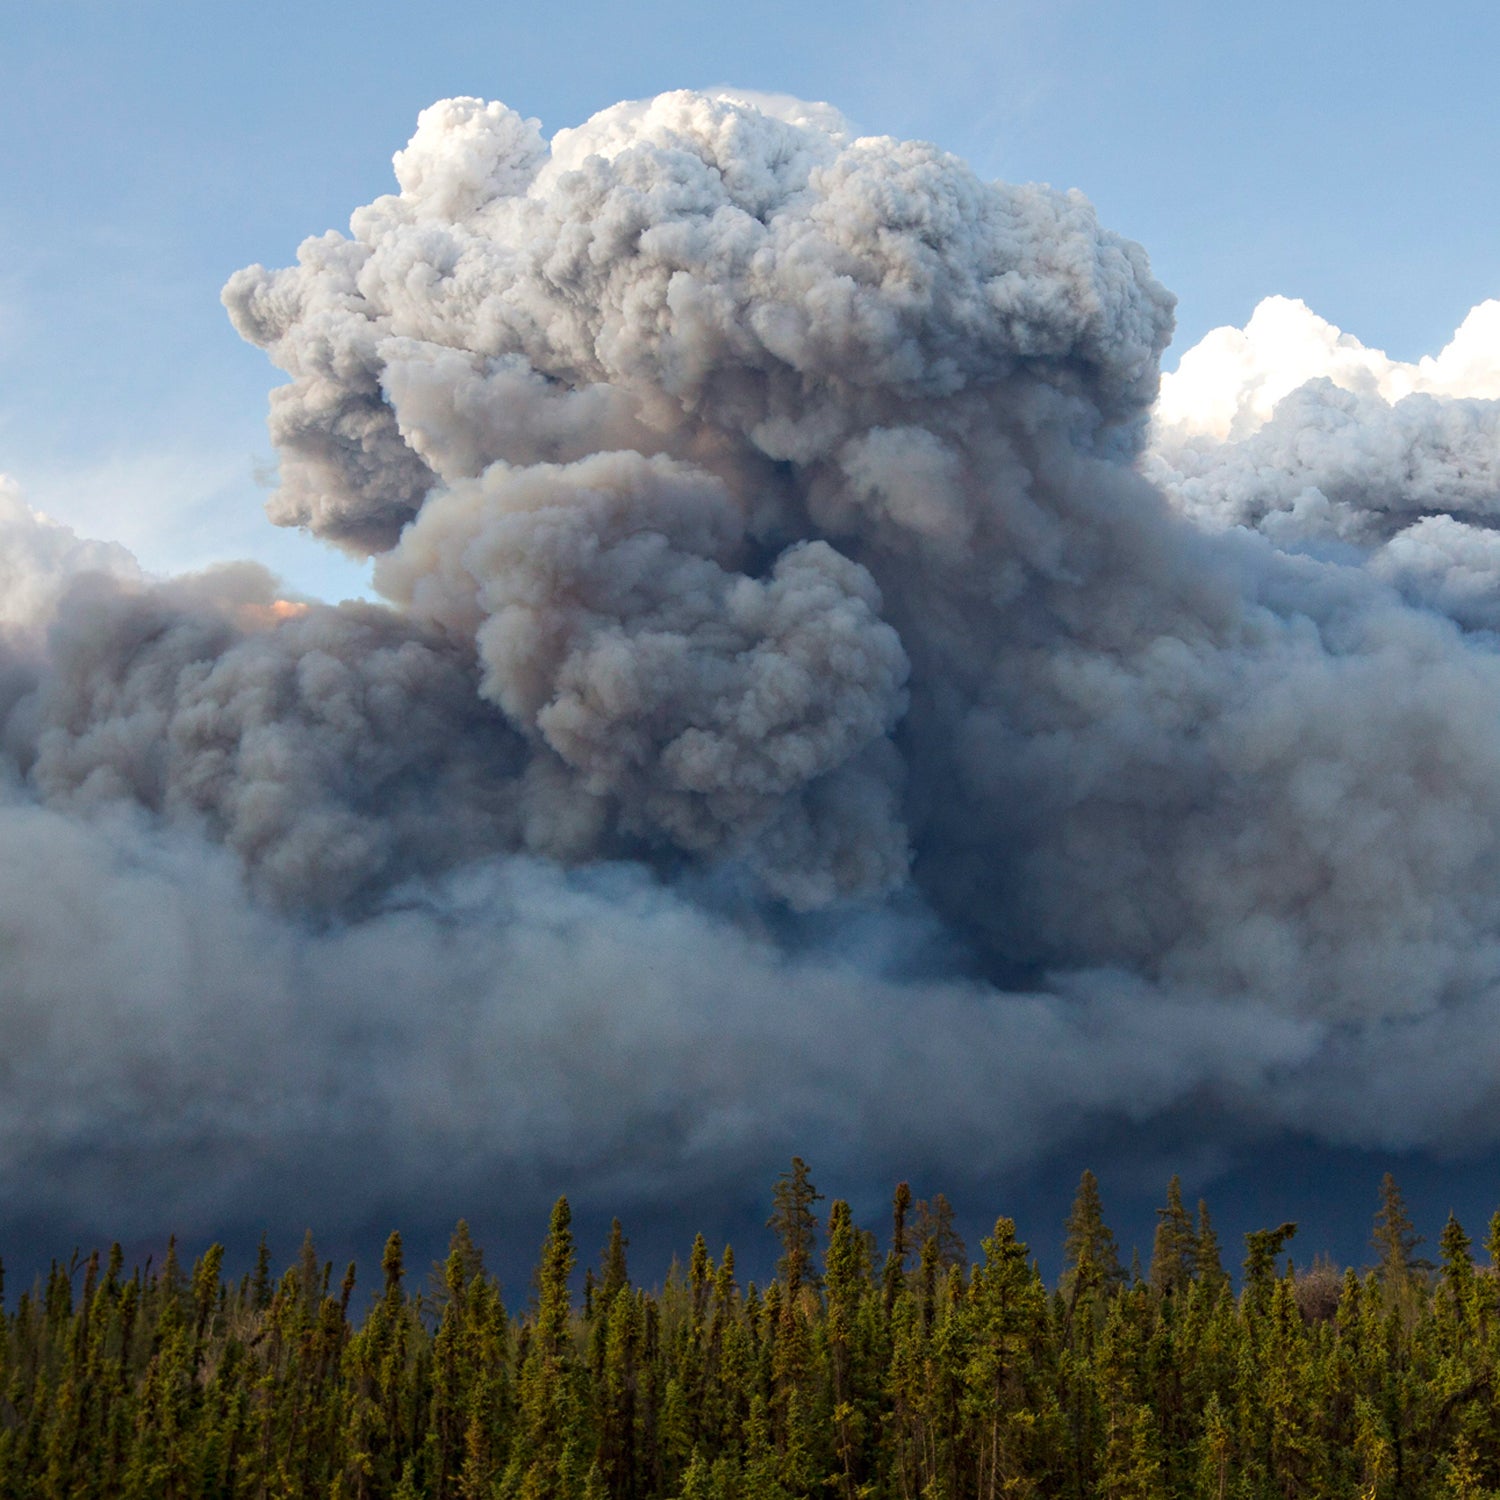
<point x="806" y="716"/>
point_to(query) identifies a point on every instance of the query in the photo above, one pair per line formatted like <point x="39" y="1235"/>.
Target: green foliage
<point x="795" y="1224"/>
<point x="862" y="1376"/>
<point x="1174" y="1252"/>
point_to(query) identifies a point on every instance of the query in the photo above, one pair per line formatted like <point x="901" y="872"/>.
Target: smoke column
<point x="820" y="696"/>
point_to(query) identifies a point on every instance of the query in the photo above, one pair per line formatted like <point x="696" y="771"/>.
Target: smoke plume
<point x="822" y="695"/>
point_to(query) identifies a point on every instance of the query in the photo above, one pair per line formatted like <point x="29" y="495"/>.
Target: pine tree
<point x="619" y="1393"/>
<point x="454" y="1372"/>
<point x="1132" y="1457"/>
<point x="796" y="1225"/>
<point x="1174" y="1251"/>
<point x="1456" y="1280"/>
<point x="1091" y="1274"/>
<point x="894" y="1275"/>
<point x="700" y="1278"/>
<point x="1262" y="1246"/>
<point x="374" y="1426"/>
<point x="1215" y="1448"/>
<point x="972" y="1385"/>
<point x="1394" y="1238"/>
<point x="1012" y="1419"/>
<point x="393" y="1265"/>
<point x="548" y="1414"/>
<point x="614" y="1273"/>
<point x="847" y="1284"/>
<point x="1089" y="1247"/>
<point x="935" y="1226"/>
<point x="260" y="1284"/>
<point x="1208" y="1265"/>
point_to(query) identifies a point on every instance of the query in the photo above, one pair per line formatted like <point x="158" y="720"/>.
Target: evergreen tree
<point x="547" y="1449"/>
<point x="1394" y="1238"/>
<point x="614" y="1273"/>
<point x="393" y="1265"/>
<point x="1456" y="1280"/>
<point x="700" y="1278"/>
<point x="950" y="1384"/>
<point x="1208" y="1265"/>
<point x="1262" y="1246"/>
<point x="847" y="1282"/>
<point x="1090" y="1255"/>
<point x="1174" y="1251"/>
<point x="935" y="1226"/>
<point x="894" y="1275"/>
<point x="795" y="1222"/>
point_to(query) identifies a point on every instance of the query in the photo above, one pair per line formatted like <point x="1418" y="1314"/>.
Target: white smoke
<point x="37" y="558"/>
<point x="791" y="637"/>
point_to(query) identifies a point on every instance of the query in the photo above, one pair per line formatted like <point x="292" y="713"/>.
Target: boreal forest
<point x="902" y="1370"/>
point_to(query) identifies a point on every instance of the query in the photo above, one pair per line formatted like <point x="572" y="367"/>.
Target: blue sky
<point x="1343" y="154"/>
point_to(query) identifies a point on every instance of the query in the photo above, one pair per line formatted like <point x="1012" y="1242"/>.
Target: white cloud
<point x="1228" y="384"/>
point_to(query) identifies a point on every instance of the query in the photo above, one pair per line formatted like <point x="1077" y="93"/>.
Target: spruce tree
<point x="974" y="1385"/>
<point x="796" y="1225"/>
<point x="1456" y="1281"/>
<point x="547" y="1450"/>
<point x="935" y="1226"/>
<point x="1208" y="1264"/>
<point x="1394" y="1238"/>
<point x="894" y="1275"/>
<point x="614" y="1273"/>
<point x="1262" y="1246"/>
<point x="700" y="1278"/>
<point x="1175" y="1247"/>
<point x="847" y="1284"/>
<point x="260" y="1285"/>
<point x="393" y="1265"/>
<point x="1090" y="1256"/>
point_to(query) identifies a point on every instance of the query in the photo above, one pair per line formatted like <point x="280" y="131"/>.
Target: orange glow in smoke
<point x="273" y="613"/>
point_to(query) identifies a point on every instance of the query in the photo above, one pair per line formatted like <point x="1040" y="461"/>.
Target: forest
<point x="912" y="1372"/>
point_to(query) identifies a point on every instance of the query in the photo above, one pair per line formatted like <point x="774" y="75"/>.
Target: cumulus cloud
<point x="1296" y="429"/>
<point x="815" y="696"/>
<point x="1229" y="383"/>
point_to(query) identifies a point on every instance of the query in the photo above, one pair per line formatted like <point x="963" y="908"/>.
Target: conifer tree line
<point x="856" y="1373"/>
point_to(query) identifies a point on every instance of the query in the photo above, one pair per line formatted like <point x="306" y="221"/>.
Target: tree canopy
<point x="908" y="1375"/>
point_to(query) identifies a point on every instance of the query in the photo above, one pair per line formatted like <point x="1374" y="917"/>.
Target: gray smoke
<point x="611" y="624"/>
<point x="807" y="714"/>
<point x="1339" y="465"/>
<point x="335" y="751"/>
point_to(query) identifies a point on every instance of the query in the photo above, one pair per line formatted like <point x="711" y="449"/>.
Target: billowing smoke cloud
<point x="38" y="558"/>
<point x="817" y="700"/>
